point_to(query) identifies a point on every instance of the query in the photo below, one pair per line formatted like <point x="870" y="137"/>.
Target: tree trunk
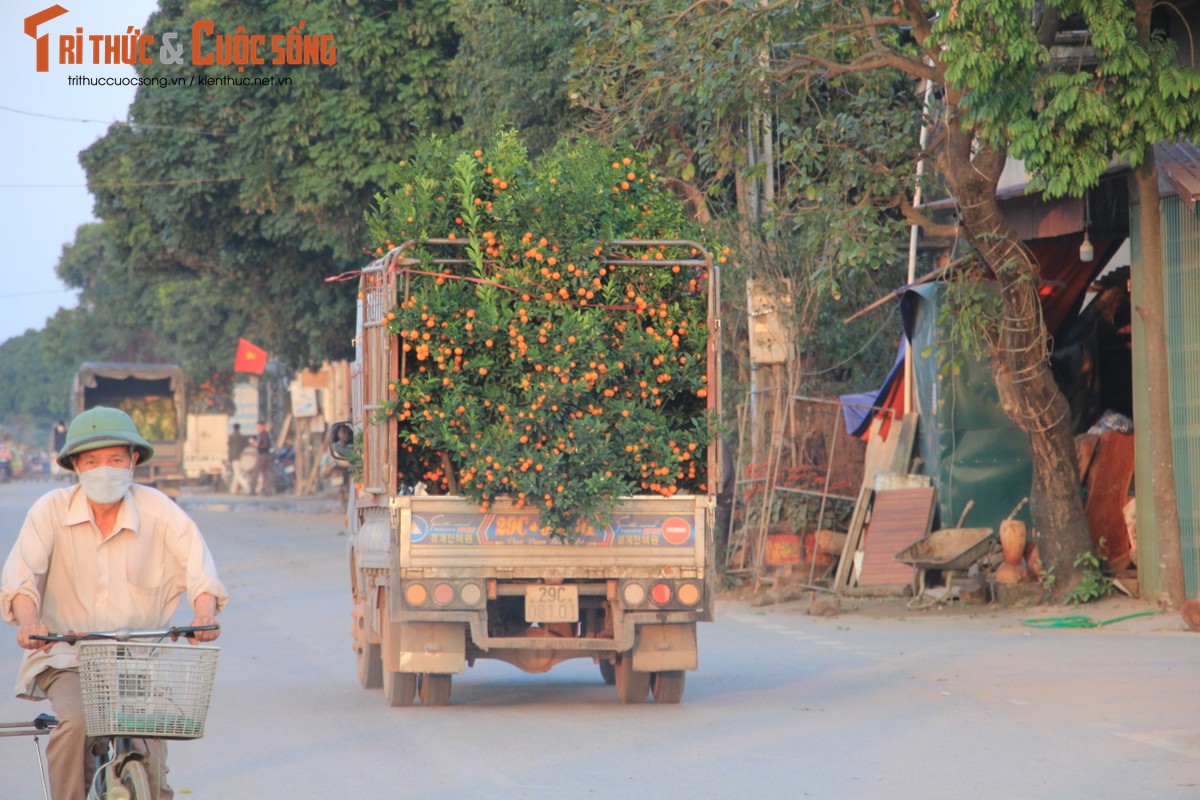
<point x="1020" y="363"/>
<point x="1144" y="183"/>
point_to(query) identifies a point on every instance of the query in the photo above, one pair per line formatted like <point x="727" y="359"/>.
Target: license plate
<point x="551" y="603"/>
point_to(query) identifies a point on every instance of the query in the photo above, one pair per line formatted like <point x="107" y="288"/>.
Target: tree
<point x="805" y="175"/>
<point x="555" y="367"/>
<point x="235" y="202"/>
<point x="32" y="384"/>
<point x="1065" y="122"/>
<point x="116" y="310"/>
<point x="511" y="68"/>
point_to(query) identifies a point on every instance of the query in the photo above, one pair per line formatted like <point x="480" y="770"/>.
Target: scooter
<point x="283" y="469"/>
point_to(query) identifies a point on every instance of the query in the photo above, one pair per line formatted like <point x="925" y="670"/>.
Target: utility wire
<point x="180" y="182"/>
<point x="132" y="125"/>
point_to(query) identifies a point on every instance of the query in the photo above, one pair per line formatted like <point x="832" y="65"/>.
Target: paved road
<point x="876" y="702"/>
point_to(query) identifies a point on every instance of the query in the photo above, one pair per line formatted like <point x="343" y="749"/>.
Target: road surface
<point x="877" y="702"/>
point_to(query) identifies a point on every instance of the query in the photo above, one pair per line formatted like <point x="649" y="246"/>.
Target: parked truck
<point x="439" y="581"/>
<point x="154" y="396"/>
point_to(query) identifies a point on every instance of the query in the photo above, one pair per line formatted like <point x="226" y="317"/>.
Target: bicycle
<point x="134" y="689"/>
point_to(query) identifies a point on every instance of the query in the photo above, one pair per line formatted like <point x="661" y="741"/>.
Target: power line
<point x="119" y="184"/>
<point x="131" y="125"/>
<point x="35" y="294"/>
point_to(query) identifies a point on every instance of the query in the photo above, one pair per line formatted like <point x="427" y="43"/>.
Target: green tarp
<point x="966" y="443"/>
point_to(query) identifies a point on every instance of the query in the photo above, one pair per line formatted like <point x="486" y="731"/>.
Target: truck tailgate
<point x="645" y="535"/>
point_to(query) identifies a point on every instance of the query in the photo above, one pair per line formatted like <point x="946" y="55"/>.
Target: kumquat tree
<point x="536" y="369"/>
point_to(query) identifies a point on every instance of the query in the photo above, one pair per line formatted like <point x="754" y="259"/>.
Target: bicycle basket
<point x="146" y="689"/>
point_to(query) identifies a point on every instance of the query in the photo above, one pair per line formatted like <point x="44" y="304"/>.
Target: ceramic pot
<point x="1012" y="544"/>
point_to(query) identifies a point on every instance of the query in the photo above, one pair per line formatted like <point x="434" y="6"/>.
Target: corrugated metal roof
<point x="1179" y="164"/>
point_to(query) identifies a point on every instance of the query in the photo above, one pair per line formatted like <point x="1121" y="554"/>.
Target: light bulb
<point x="1086" y="251"/>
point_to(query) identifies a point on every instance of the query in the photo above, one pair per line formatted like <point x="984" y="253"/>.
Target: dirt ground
<point x="1130" y="614"/>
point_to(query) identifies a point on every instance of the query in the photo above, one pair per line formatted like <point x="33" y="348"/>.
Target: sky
<point x="44" y="123"/>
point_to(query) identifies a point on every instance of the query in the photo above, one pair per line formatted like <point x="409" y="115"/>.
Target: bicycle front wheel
<point x="135" y="783"/>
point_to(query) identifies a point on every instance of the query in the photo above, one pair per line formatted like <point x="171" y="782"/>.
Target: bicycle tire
<point x="134" y="779"/>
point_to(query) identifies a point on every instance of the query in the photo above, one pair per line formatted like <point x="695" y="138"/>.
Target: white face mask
<point x="105" y="485"/>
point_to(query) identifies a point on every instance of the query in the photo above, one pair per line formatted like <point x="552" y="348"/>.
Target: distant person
<point x="238" y="483"/>
<point x="262" y="467"/>
<point x="58" y="438"/>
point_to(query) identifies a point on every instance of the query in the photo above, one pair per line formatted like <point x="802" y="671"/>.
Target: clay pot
<point x="1012" y="540"/>
<point x="1012" y="573"/>
<point x="1191" y="614"/>
<point x="1012" y="543"/>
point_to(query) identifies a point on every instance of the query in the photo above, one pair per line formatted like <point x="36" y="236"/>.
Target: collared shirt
<point x="84" y="581"/>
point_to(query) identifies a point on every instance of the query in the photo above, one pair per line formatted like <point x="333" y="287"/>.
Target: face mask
<point x="105" y="485"/>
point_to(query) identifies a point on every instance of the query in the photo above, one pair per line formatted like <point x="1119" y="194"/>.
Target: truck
<point x="206" y="448"/>
<point x="439" y="581"/>
<point x="154" y="396"/>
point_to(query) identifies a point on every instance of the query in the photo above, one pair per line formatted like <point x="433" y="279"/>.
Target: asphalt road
<point x="877" y="702"/>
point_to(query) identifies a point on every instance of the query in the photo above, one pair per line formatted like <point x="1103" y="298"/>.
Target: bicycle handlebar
<point x="125" y="634"/>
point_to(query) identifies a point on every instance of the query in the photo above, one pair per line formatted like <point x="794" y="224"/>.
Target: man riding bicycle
<point x="101" y="555"/>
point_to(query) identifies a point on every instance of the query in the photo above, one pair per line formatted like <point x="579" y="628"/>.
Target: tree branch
<point x="925" y="223"/>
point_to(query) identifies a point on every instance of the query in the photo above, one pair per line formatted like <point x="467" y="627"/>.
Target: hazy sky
<point x="43" y="197"/>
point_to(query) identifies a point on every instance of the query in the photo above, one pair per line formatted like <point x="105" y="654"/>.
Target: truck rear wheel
<point x="434" y="688"/>
<point x="608" y="671"/>
<point x="368" y="656"/>
<point x="370" y="666"/>
<point x="667" y="687"/>
<point x="400" y="688"/>
<point x="632" y="686"/>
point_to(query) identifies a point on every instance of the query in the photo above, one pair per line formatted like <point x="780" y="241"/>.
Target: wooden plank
<point x="853" y="536"/>
<point x="880" y="451"/>
<point x="1108" y="491"/>
<point x="899" y="517"/>
<point x="902" y="457"/>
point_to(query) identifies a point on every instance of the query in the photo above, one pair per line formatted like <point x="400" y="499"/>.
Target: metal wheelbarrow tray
<point x="948" y="549"/>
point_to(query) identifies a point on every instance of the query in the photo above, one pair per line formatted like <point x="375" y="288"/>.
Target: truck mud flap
<point x="659" y="648"/>
<point x="427" y="647"/>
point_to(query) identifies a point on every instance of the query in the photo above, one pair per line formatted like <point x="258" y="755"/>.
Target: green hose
<point x="1081" y="621"/>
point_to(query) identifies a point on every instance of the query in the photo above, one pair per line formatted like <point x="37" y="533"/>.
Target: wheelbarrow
<point x="948" y="550"/>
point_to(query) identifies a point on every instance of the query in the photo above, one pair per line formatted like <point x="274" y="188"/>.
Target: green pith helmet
<point x="102" y="427"/>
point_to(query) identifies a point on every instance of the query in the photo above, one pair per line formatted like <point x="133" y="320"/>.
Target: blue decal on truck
<point x="498" y="530"/>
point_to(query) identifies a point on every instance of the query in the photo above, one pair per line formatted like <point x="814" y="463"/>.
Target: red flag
<point x="249" y="358"/>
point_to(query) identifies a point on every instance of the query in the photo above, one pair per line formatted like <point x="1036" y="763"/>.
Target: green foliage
<point x="1068" y="123"/>
<point x="264" y="186"/>
<point x="32" y="384"/>
<point x="541" y="370"/>
<point x="116" y="304"/>
<point x="969" y="314"/>
<point x="511" y="66"/>
<point x="699" y="87"/>
<point x="1093" y="584"/>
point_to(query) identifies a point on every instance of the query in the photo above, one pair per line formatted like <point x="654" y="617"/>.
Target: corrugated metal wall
<point x="1181" y="268"/>
<point x="1181" y="251"/>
